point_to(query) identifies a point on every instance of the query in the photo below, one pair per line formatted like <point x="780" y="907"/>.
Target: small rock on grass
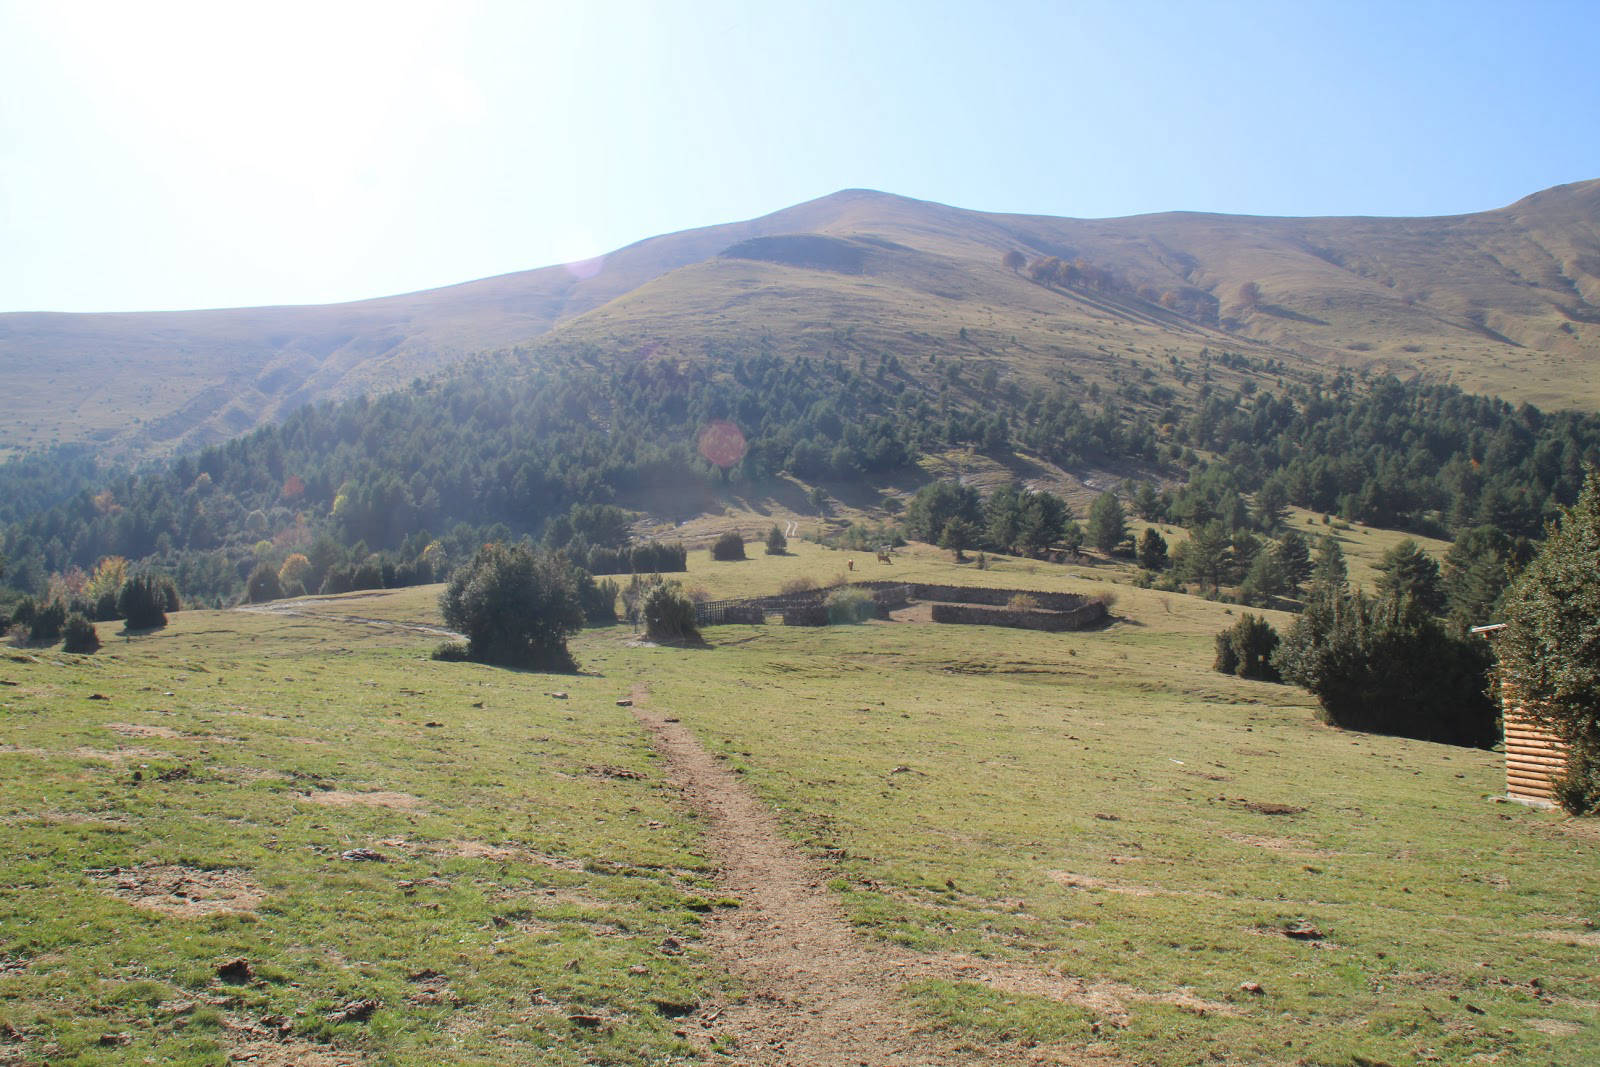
<point x="364" y="854"/>
<point x="624" y="703"/>
<point x="354" y="1011"/>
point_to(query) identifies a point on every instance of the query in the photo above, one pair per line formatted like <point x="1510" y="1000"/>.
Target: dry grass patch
<point x="338" y="798"/>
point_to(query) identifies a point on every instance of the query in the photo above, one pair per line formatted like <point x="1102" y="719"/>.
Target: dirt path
<point x="297" y="608"/>
<point x="819" y="994"/>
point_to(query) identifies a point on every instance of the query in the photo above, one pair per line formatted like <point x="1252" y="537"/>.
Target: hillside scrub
<point x="78" y="635"/>
<point x="1387" y="666"/>
<point x="145" y="600"/>
<point x="517" y="606"/>
<point x="1246" y="649"/>
<point x="728" y="547"/>
<point x="668" y="613"/>
<point x="847" y="606"/>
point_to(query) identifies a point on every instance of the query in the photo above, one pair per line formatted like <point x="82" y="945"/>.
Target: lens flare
<point x="722" y="443"/>
<point x="585" y="269"/>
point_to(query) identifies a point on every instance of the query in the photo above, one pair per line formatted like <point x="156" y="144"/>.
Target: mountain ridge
<point x="1505" y="301"/>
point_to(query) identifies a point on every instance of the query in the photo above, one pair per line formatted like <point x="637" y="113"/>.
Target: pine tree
<point x="1152" y="550"/>
<point x="1406" y="571"/>
<point x="1108" y="524"/>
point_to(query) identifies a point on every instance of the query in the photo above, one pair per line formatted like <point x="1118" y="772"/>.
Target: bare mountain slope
<point x="1504" y="301"/>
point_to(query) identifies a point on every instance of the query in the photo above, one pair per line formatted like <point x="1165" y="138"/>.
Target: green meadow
<point x="1100" y="848"/>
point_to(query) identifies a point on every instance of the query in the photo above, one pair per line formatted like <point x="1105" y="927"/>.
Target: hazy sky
<point x="162" y="155"/>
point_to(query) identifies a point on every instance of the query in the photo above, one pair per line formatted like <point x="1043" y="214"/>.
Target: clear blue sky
<point x="158" y="155"/>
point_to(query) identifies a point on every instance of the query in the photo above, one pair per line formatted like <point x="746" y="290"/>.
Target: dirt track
<point x="818" y="993"/>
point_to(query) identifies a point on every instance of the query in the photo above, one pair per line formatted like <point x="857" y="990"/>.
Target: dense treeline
<point x="39" y="480"/>
<point x="1428" y="458"/>
<point x="494" y="451"/>
<point x="401" y="487"/>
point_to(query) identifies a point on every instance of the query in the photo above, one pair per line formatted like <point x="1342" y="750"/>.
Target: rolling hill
<point x="1504" y="301"/>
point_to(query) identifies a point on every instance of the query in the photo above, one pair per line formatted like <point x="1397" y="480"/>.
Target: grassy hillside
<point x="1504" y="301"/>
<point x="1081" y="847"/>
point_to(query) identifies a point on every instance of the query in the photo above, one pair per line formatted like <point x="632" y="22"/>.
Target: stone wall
<point x="1085" y="615"/>
<point x="968" y="594"/>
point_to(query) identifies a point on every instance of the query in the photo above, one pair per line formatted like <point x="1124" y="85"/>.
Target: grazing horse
<point x="883" y="555"/>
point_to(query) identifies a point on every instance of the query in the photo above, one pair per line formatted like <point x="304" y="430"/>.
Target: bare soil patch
<point x="1588" y="938"/>
<point x="509" y="853"/>
<point x="817" y="992"/>
<point x="121" y="754"/>
<point x="185" y="891"/>
<point x="921" y="611"/>
<point x="339" y="798"/>
<point x="1109" y="1000"/>
<point x="131" y="729"/>
<point x="1555" y="1027"/>
<point x="1085" y="881"/>
<point x="1280" y="844"/>
<point x="265" y="1044"/>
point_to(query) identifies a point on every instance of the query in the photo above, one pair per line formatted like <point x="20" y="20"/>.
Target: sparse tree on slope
<point x="1152" y="551"/>
<point x="1108" y="524"/>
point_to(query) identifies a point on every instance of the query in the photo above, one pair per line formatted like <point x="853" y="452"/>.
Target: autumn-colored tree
<point x="1015" y="260"/>
<point x="294" y="572"/>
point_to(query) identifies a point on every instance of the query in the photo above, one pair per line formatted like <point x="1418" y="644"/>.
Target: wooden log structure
<point x="1535" y="756"/>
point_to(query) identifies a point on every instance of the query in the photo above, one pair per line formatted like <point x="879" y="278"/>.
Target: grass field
<point x="1097" y="843"/>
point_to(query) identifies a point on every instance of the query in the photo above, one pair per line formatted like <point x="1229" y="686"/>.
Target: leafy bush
<point x="1022" y="602"/>
<point x="794" y="586"/>
<point x="144" y="601"/>
<point x="79" y="635"/>
<point x="516" y="607"/>
<point x="648" y="558"/>
<point x="730" y="546"/>
<point x="668" y="614"/>
<point x="452" y="652"/>
<point x="263" y="584"/>
<point x="846" y="606"/>
<point x="1246" y="649"/>
<point x="777" y="544"/>
<point x="599" y="599"/>
<point x="45" y="626"/>
<point x="1388" y="667"/>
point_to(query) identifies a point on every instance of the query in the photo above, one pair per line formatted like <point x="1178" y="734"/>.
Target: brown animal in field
<point x="849" y="564"/>
<point x="883" y="556"/>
